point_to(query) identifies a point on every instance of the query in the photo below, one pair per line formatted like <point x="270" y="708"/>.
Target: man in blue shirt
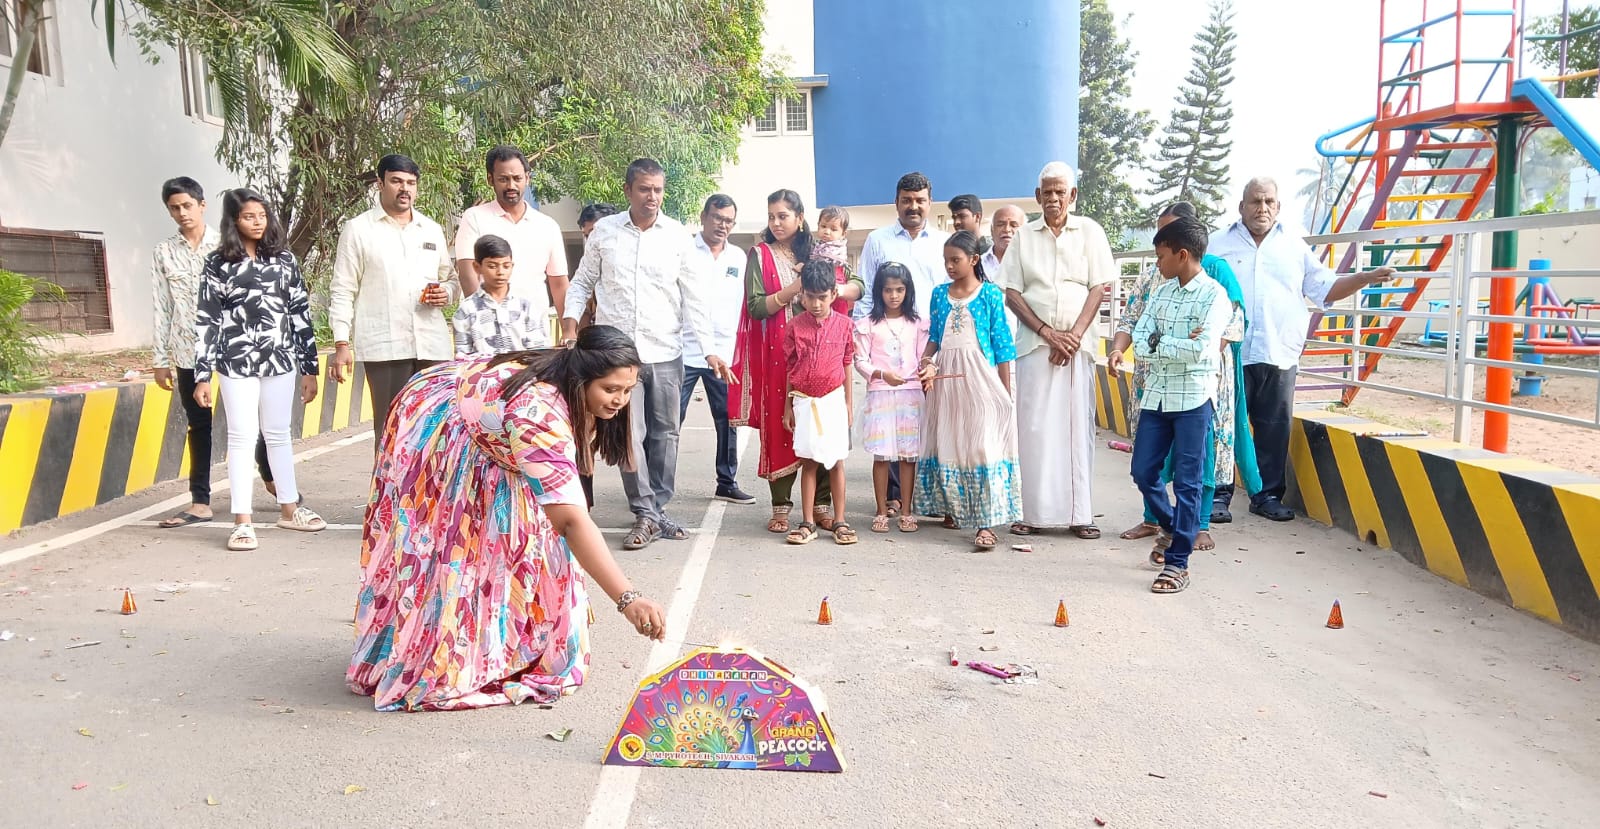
<point x="1278" y="273"/>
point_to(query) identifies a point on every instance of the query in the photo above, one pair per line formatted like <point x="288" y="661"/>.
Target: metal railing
<point x="1457" y="319"/>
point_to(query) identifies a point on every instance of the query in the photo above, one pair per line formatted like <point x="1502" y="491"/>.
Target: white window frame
<point x="201" y="90"/>
<point x="804" y="97"/>
<point x="779" y="108"/>
<point x="776" y="110"/>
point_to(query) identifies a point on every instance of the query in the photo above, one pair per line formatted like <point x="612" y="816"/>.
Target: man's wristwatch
<point x="1155" y="339"/>
<point x="627" y="598"/>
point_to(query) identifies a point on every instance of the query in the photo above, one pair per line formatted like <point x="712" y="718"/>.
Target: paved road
<point x="227" y="685"/>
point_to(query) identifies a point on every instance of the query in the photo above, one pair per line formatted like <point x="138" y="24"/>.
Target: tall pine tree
<point x="1194" y="149"/>
<point x="1110" y="133"/>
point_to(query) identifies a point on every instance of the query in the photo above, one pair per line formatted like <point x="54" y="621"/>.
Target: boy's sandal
<point x="1158" y="553"/>
<point x="803" y="534"/>
<point x="303" y="520"/>
<point x="880" y="523"/>
<point x="950" y="523"/>
<point x="1143" y="529"/>
<point x="1170" y="580"/>
<point x="1086" y="531"/>
<point x="908" y="523"/>
<point x="643" y="533"/>
<point x="183" y="519"/>
<point x="1020" y="528"/>
<point x="842" y="534"/>
<point x="894" y="508"/>
<point x="985" y="539"/>
<point x="779" y="522"/>
<point x="1204" y="541"/>
<point x="243" y="539"/>
<point x="671" y="531"/>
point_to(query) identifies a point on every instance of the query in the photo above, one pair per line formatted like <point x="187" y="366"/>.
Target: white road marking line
<point x="614" y="793"/>
<point x="59" y="542"/>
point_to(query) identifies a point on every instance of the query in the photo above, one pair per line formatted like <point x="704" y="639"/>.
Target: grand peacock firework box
<point x="726" y="708"/>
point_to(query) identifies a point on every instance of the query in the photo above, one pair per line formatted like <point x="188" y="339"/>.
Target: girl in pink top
<point x="888" y="343"/>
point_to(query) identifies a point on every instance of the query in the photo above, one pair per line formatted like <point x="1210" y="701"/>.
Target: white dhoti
<point x="1055" y="438"/>
<point x="821" y="427"/>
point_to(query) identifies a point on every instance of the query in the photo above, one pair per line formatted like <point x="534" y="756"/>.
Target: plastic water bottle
<point x="1120" y="445"/>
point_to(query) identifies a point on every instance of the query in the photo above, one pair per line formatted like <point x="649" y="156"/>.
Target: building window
<point x="202" y="98"/>
<point x="10" y="35"/>
<point x="797" y="113"/>
<point x="75" y="261"/>
<point x="788" y="115"/>
<point x="767" y="122"/>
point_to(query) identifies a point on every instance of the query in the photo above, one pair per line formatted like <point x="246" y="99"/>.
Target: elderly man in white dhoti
<point x="1056" y="274"/>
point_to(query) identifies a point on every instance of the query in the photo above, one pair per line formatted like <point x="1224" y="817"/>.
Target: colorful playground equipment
<point x="1448" y="125"/>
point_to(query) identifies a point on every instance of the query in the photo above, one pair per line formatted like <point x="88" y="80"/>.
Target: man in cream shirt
<point x="392" y="278"/>
<point x="1055" y="273"/>
<point x="537" y="249"/>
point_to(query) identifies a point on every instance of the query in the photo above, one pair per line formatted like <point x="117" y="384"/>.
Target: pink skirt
<point x="891" y="425"/>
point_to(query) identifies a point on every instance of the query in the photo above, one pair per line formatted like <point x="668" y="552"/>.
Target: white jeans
<point x="264" y="405"/>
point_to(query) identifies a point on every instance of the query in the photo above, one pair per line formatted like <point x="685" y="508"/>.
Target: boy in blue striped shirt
<point x="1180" y="337"/>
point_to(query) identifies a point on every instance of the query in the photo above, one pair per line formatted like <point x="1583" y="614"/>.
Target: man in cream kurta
<point x="1056" y="274"/>
<point x="392" y="278"/>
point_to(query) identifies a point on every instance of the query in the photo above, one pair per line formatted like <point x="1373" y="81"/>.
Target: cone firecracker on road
<point x="1336" y="616"/>
<point x="128" y="607"/>
<point x="824" y="615"/>
<point x="1061" y="614"/>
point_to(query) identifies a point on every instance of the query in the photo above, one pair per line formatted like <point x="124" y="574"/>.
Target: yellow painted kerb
<point x="1508" y="542"/>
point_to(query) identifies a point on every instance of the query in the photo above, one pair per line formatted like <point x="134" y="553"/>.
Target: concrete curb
<point x="62" y="453"/>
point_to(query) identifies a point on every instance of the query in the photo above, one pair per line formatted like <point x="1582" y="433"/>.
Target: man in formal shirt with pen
<point x="392" y="278"/>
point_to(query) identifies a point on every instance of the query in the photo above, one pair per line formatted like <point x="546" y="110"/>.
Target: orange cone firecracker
<point x="1336" y="616"/>
<point x="128" y="607"/>
<point x="1061" y="614"/>
<point x="824" y="615"/>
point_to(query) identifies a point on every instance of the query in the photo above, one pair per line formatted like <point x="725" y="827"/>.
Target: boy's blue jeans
<point x="1184" y="434"/>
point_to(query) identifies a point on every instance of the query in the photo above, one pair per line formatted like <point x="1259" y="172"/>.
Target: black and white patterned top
<point x="254" y="319"/>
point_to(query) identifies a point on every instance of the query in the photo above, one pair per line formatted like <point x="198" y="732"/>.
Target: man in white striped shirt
<point x="640" y="268"/>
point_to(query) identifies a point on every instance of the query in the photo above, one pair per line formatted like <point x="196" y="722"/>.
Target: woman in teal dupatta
<point x="1231" y="448"/>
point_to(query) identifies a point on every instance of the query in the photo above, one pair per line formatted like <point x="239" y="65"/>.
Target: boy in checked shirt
<point x="491" y="321"/>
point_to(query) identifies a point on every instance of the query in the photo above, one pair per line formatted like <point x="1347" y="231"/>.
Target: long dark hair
<point x="232" y="247"/>
<point x="600" y="350"/>
<point x="908" y="306"/>
<point x="966" y="242"/>
<point x="800" y="245"/>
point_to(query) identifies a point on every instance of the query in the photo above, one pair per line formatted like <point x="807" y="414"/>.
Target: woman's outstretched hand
<point x="647" y="617"/>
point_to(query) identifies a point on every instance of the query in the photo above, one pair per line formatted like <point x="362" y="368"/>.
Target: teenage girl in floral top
<point x="254" y="328"/>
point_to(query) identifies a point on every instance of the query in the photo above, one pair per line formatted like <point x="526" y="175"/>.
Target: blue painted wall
<point x="977" y="95"/>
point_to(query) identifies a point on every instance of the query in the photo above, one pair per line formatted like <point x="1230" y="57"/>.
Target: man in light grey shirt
<point x="640" y="268"/>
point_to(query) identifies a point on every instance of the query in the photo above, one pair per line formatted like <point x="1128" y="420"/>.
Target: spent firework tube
<point x="1120" y="445"/>
<point x="953" y="659"/>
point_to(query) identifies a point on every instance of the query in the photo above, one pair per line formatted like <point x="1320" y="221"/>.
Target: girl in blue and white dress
<point x="968" y="470"/>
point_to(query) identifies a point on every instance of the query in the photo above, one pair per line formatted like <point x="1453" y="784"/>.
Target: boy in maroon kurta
<point x="819" y="347"/>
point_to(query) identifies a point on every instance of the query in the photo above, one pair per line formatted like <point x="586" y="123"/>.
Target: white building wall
<point x="88" y="150"/>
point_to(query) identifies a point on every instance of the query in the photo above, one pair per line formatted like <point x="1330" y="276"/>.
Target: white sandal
<point x="303" y="520"/>
<point x="243" y="539"/>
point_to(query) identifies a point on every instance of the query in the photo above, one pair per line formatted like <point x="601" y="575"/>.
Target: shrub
<point x="22" y="344"/>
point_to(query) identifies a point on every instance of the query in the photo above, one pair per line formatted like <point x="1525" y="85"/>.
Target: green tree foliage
<point x="1110" y="133"/>
<point x="22" y="343"/>
<point x="581" y="86"/>
<point x="1583" y="51"/>
<point x="289" y="39"/>
<point x="1195" y="146"/>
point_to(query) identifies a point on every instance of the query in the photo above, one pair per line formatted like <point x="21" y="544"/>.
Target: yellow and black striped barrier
<point x="1519" y="531"/>
<point x="62" y="453"/>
